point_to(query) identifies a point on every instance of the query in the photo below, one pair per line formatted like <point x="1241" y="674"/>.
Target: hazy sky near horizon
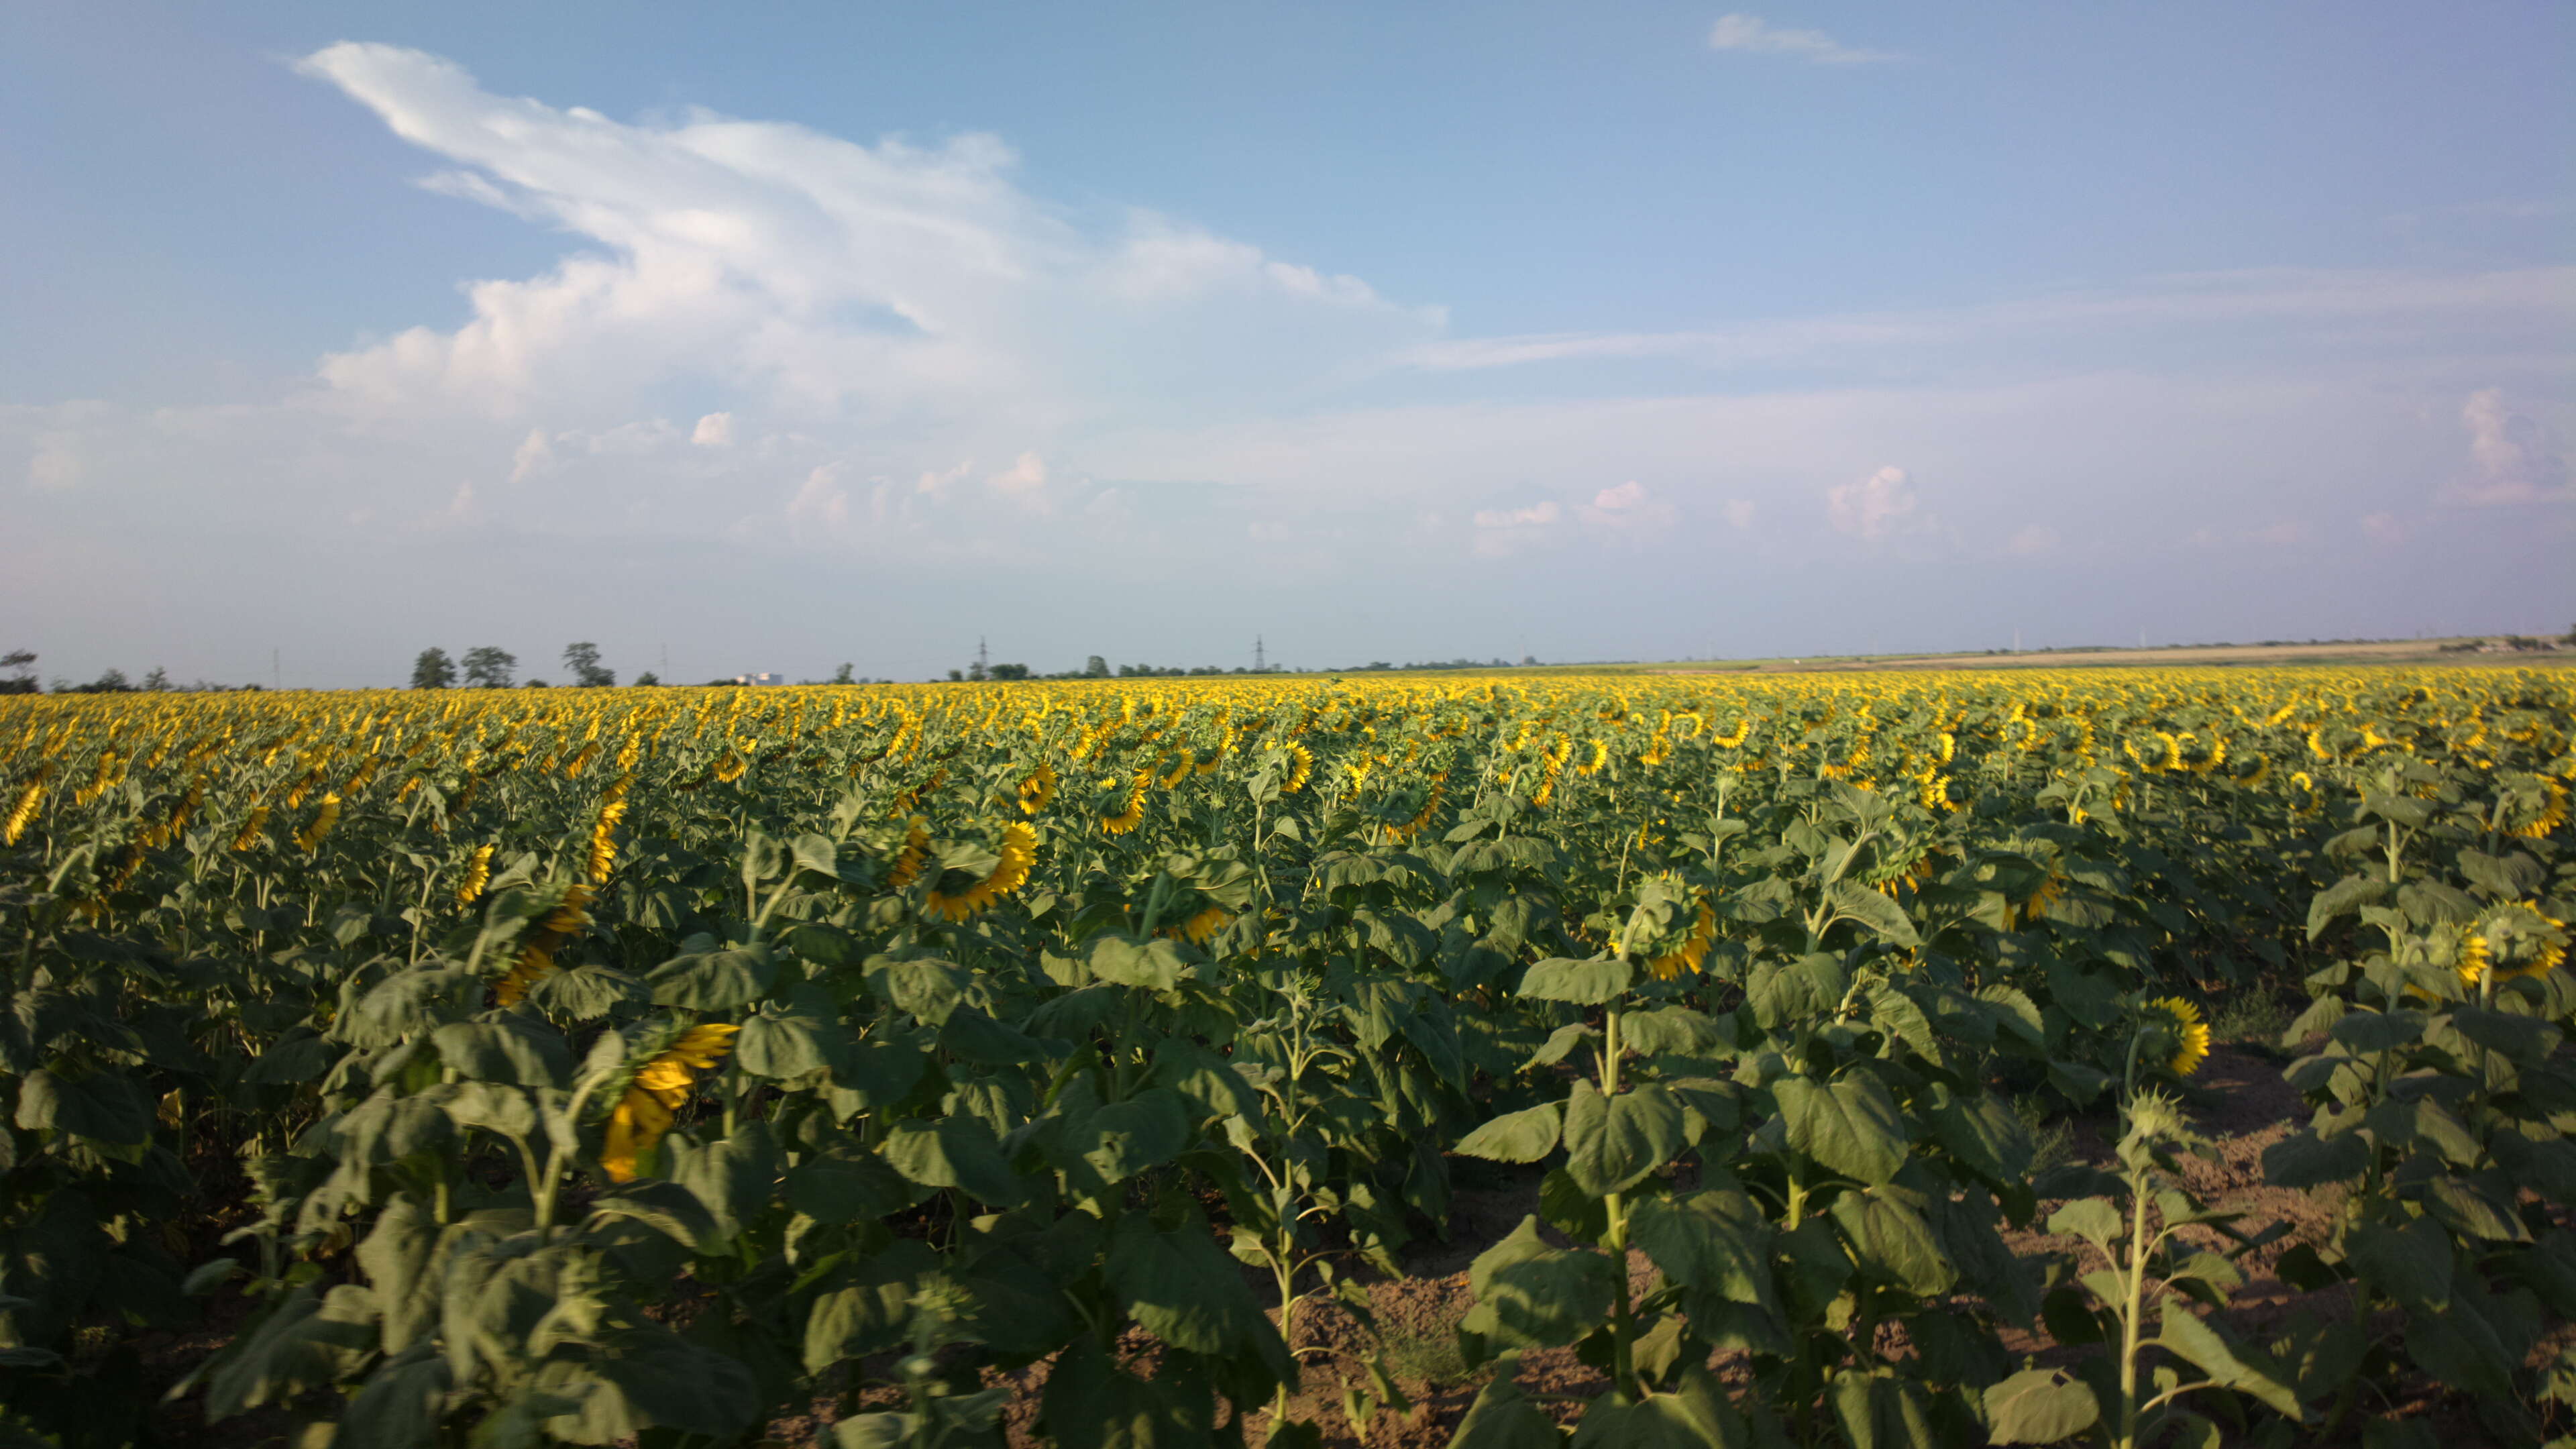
<point x="772" y="337"/>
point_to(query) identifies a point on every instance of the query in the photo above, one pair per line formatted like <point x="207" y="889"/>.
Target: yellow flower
<point x="251" y="828"/>
<point x="537" y="953"/>
<point x="1133" y="814"/>
<point x="1009" y="873"/>
<point x="24" y="810"/>
<point x="1305" y="766"/>
<point x="2190" y="1033"/>
<point x="603" y="841"/>
<point x="1037" y="789"/>
<point x="653" y="1100"/>
<point x="478" y="870"/>
<point x="916" y="846"/>
<point x="1692" y="951"/>
<point x="2473" y="959"/>
<point x="1198" y="928"/>
<point x="324" y="818"/>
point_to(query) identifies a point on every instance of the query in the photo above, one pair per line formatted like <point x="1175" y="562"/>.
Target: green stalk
<point x="1623" y="1325"/>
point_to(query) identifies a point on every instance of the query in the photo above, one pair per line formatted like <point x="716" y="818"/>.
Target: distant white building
<point x="759" y="679"/>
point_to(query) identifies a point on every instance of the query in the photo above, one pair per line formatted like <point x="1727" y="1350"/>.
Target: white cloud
<point x="2511" y="459"/>
<point x="1738" y="513"/>
<point x="2031" y="540"/>
<point x="1024" y="478"/>
<point x="1753" y="34"/>
<point x="1628" y="509"/>
<point x="821" y="499"/>
<point x="56" y="465"/>
<point x="535" y="455"/>
<point x="2383" y="527"/>
<point x="1503" y="532"/>
<point x="915" y="289"/>
<point x="2279" y="534"/>
<point x="715" y="430"/>
<point x="1873" y="507"/>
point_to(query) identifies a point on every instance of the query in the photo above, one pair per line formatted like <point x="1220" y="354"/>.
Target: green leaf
<point x="1183" y="1289"/>
<point x="1698" y="1417"/>
<point x="1716" y="1241"/>
<point x="99" y="1105"/>
<point x="713" y="981"/>
<point x="2040" y="1406"/>
<point x="1850" y="1125"/>
<point x="1984" y="1134"/>
<point x="1584" y="983"/>
<point x="2093" y="1219"/>
<point x="867" y="1308"/>
<point x="1503" y="1418"/>
<point x="958" y="1152"/>
<point x="1531" y="1295"/>
<point x="1880" y="1411"/>
<point x="2364" y="1032"/>
<point x="2342" y="899"/>
<point x="1892" y="1243"/>
<point x="1612" y="1143"/>
<point x="1524" y="1136"/>
<point x="2411" y="1264"/>
<point x="1881" y="914"/>
<point x="402" y="1402"/>
<point x="780" y="1042"/>
<point x="734" y="1178"/>
<point x="2186" y="1334"/>
<point x="2303" y="1159"/>
<point x="1125" y="1138"/>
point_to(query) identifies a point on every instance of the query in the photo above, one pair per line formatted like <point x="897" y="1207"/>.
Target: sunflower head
<point x="2177" y="1032"/>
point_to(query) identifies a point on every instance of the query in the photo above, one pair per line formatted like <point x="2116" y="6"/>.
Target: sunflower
<point x="1132" y="814"/>
<point x="2190" y="1034"/>
<point x="537" y="952"/>
<point x="1198" y="928"/>
<point x="1037" y="789"/>
<point x="653" y="1100"/>
<point x="1009" y="873"/>
<point x="25" y="809"/>
<point x="916" y="845"/>
<point x="324" y="817"/>
<point x="603" y="841"/>
<point x="478" y="870"/>
<point x="1692" y="952"/>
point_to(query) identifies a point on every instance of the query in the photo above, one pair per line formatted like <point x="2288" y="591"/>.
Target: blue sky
<point x="811" y="333"/>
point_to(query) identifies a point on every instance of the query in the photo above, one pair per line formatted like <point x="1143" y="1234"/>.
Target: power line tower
<point x="1260" y="660"/>
<point x="983" y="662"/>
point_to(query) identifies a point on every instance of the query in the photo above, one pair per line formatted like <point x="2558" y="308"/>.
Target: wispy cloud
<point x="1753" y="34"/>
<point x="2511" y="458"/>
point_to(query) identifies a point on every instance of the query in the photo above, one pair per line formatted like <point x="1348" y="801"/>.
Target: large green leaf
<point x="714" y="981"/>
<point x="1523" y="1136"/>
<point x="2040" y="1406"/>
<point x="1583" y="983"/>
<point x="1531" y="1295"/>
<point x="1611" y="1143"/>
<point x="1850" y="1125"/>
<point x="1716" y="1240"/>
<point x="1502" y="1417"/>
<point x="100" y="1105"/>
<point x="1183" y="1289"/>
<point x="959" y="1152"/>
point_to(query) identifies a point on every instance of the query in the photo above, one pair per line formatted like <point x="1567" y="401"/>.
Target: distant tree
<point x="647" y="680"/>
<point x="111" y="682"/>
<point x="17" y="661"/>
<point x="842" y="675"/>
<point x="583" y="660"/>
<point x="1010" y="671"/>
<point x="956" y="675"/>
<point x="433" y="670"/>
<point x="534" y="684"/>
<point x="158" y="681"/>
<point x="489" y="667"/>
<point x="1095" y="668"/>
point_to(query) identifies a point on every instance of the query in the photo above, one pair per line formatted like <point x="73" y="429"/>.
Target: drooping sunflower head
<point x="2512" y="941"/>
<point x="2179" y="1033"/>
<point x="663" y="1081"/>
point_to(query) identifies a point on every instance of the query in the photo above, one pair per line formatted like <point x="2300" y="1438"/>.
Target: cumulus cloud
<point x="1873" y="507"/>
<point x="1753" y="34"/>
<point x="821" y="500"/>
<point x="2031" y="540"/>
<point x="1628" y="509"/>
<point x="2511" y="458"/>
<point x="535" y="454"/>
<point x="1024" y="478"/>
<point x="1738" y="513"/>
<point x="715" y="430"/>
<point x="910" y="286"/>
<point x="55" y="465"/>
<point x="1502" y="532"/>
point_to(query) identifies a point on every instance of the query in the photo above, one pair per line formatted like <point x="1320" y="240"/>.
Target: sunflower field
<point x="1040" y="1063"/>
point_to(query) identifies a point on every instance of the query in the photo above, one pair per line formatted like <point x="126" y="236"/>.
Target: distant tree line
<point x="492" y="667"/>
<point x="22" y="680"/>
